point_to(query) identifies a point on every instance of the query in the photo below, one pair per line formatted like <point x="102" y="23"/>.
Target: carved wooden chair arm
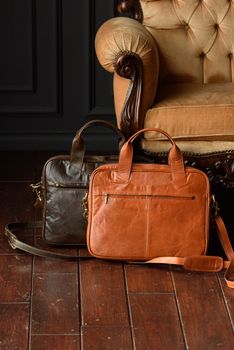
<point x="126" y="48"/>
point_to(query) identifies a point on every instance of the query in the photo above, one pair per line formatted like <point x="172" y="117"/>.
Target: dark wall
<point x="50" y="80"/>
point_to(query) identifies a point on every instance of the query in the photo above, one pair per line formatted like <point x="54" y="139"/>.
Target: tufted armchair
<point x="173" y="68"/>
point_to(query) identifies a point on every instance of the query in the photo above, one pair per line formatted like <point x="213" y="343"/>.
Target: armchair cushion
<point x="193" y="111"/>
<point x="191" y="147"/>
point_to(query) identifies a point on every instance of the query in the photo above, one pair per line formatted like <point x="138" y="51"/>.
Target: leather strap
<point x="200" y="263"/>
<point x="206" y="263"/>
<point x="227" y="247"/>
<point x="192" y="263"/>
<point x="16" y="243"/>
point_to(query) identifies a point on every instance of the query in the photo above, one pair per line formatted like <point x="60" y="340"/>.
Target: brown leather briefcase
<point x="154" y="213"/>
<point x="63" y="194"/>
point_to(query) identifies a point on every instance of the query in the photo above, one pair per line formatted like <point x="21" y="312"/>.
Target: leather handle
<point x="139" y="132"/>
<point x="78" y="146"/>
<point x="175" y="158"/>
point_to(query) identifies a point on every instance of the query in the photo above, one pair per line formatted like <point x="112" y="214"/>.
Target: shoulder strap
<point x="193" y="263"/>
<point x="16" y="243"/>
<point x="227" y="247"/>
<point x="206" y="263"/>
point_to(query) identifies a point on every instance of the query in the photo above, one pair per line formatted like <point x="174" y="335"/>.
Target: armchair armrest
<point x="125" y="48"/>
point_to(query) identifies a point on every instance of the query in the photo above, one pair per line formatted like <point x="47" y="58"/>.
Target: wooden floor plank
<point x="44" y="265"/>
<point x="148" y="278"/>
<point x="16" y="203"/>
<point x="14" y="326"/>
<point x="55" y="342"/>
<point x="106" y="338"/>
<point x="103" y="298"/>
<point x="205" y="318"/>
<point x="155" y="322"/>
<point x="55" y="308"/>
<point x="15" y="278"/>
<point x="229" y="300"/>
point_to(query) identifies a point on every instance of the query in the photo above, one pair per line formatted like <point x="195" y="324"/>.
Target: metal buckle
<point x="214" y="206"/>
<point x="85" y="205"/>
<point x="37" y="189"/>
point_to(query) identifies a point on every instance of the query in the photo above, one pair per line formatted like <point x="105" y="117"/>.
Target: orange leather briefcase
<point x="151" y="212"/>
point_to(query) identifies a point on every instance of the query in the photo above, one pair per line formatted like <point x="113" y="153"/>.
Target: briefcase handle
<point x="175" y="158"/>
<point x="78" y="146"/>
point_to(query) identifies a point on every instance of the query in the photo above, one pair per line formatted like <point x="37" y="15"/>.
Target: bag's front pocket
<point x="140" y="226"/>
<point x="119" y="225"/>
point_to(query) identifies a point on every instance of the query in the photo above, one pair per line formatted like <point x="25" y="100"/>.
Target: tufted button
<point x="230" y="55"/>
<point x="202" y="54"/>
<point x="185" y="24"/>
<point x="216" y="26"/>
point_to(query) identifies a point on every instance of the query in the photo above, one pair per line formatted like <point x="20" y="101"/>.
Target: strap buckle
<point x="214" y="206"/>
<point x="85" y="205"/>
<point x="37" y="188"/>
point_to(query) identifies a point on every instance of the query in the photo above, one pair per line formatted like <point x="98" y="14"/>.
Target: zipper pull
<point x="105" y="198"/>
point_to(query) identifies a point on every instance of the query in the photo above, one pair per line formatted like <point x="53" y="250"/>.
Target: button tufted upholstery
<point x="188" y="72"/>
<point x="193" y="33"/>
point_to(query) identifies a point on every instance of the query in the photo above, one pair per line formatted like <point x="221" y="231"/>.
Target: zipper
<point x="143" y="196"/>
<point x="61" y="185"/>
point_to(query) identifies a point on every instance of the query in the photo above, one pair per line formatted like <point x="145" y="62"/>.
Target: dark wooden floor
<point x="93" y="304"/>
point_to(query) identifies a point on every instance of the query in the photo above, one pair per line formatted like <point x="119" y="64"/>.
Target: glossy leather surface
<point x="65" y="181"/>
<point x="195" y="39"/>
<point x="64" y="187"/>
<point x="187" y="52"/>
<point x="143" y="211"/>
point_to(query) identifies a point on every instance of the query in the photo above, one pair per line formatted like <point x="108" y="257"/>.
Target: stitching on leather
<point x="217" y="34"/>
<point x="185" y="153"/>
<point x="210" y="12"/>
<point x="221" y="32"/>
<point x="176" y="13"/>
<point x="193" y="12"/>
<point x="222" y="36"/>
<point x="206" y="51"/>
<point x="219" y="23"/>
<point x="225" y="15"/>
<point x="231" y="69"/>
<point x="194" y="39"/>
<point x="214" y="40"/>
<point x="148" y="203"/>
<point x="193" y="106"/>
